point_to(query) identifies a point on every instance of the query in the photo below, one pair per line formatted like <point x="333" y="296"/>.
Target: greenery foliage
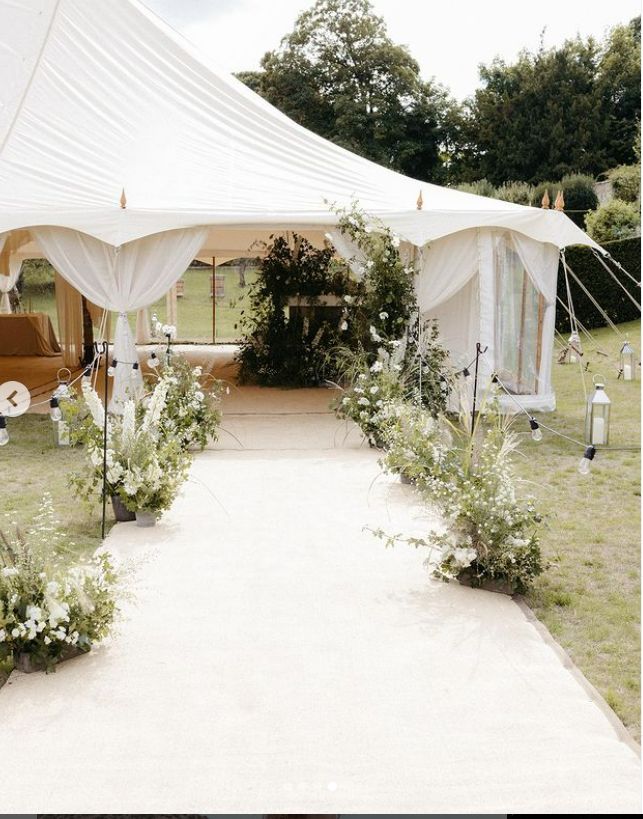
<point x="614" y="220"/>
<point x="50" y="606"/>
<point x="282" y="349"/>
<point x="626" y="182"/>
<point x="339" y="74"/>
<point x="600" y="284"/>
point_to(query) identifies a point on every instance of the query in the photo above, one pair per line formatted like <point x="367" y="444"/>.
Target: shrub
<point x="580" y="196"/>
<point x="614" y="220"/>
<point x="417" y="445"/>
<point x="481" y="187"/>
<point x="520" y="193"/>
<point x="626" y="182"/>
<point x="599" y="283"/>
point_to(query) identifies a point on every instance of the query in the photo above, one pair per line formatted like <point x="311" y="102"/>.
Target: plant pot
<point x="26" y="663"/>
<point x="121" y="512"/>
<point x="465" y="578"/>
<point x="145" y="518"/>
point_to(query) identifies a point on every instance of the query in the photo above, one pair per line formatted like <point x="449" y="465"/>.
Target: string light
<point x="87" y="375"/>
<point x="134" y="369"/>
<point x="153" y="361"/>
<point x="111" y="370"/>
<point x="4" y="435"/>
<point x="54" y="412"/>
<point x="536" y="431"/>
<point x="586" y="460"/>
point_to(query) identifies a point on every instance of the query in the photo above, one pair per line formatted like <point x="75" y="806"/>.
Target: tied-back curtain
<point x="445" y="267"/>
<point x="143" y="335"/>
<point x="121" y="278"/>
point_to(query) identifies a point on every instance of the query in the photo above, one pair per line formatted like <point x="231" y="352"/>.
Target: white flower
<point x="374" y="389"/>
<point x="348" y="299"/>
<point x="47" y="640"/>
<point x="343" y="326"/>
<point x="363" y="402"/>
<point x="15" y="632"/>
<point x="9" y="571"/>
<point x="34" y="613"/>
<point x="395" y="240"/>
<point x="377" y="367"/>
<point x="370" y="263"/>
<point x="383" y="316"/>
<point x="3" y="635"/>
<point x="374" y="334"/>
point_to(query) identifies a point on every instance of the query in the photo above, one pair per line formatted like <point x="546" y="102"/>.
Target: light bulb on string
<point x="54" y="409"/>
<point x="4" y="435"/>
<point x="586" y="460"/>
<point x="87" y="376"/>
<point x="536" y="431"/>
<point x="153" y="361"/>
<point x="134" y="370"/>
<point x="111" y="370"/>
<point x="466" y="374"/>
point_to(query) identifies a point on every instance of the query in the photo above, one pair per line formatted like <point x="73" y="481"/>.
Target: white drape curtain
<point x="444" y="267"/>
<point x="123" y="278"/>
<point x="10" y="265"/>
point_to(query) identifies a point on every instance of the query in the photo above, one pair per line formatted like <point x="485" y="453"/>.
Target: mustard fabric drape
<point x="69" y="306"/>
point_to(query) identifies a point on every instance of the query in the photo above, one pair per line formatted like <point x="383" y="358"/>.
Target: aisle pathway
<point x="275" y="657"/>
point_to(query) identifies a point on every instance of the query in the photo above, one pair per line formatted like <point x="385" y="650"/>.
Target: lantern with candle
<point x="597" y="418"/>
<point x="627" y="362"/>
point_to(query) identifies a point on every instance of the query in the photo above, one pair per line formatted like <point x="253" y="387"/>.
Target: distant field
<point x="194" y="309"/>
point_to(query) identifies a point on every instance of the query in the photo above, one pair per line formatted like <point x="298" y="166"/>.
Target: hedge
<point x="601" y="285"/>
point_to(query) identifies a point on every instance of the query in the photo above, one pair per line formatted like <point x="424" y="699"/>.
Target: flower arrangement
<point x="50" y="608"/>
<point x="192" y="411"/>
<point x="490" y="534"/>
<point x="416" y="444"/>
<point x="145" y="465"/>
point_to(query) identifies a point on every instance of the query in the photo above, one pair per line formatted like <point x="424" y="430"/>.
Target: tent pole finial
<point x="545" y="200"/>
<point x="559" y="204"/>
<point x="123" y="199"/>
<point x="420" y="201"/>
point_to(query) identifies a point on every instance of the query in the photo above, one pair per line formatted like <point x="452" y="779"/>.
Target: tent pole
<point x="214" y="301"/>
<point x="105" y="349"/>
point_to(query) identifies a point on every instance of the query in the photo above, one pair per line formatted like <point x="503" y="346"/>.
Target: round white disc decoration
<point x="15" y="399"/>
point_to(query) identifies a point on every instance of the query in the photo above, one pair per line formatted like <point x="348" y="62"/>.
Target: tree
<point x="619" y="84"/>
<point x="559" y="111"/>
<point x="339" y="74"/>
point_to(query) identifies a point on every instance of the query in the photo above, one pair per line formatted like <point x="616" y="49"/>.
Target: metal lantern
<point x="628" y="364"/>
<point x="597" y="417"/>
<point x="574" y="351"/>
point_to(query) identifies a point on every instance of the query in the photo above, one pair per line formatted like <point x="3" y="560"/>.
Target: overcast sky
<point x="448" y="39"/>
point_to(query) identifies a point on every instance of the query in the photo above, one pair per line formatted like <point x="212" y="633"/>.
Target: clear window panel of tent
<point x="519" y="314"/>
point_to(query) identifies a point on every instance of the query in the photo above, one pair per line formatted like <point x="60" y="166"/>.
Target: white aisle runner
<point x="277" y="658"/>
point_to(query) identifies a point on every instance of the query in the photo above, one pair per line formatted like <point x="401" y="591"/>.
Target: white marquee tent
<point x="103" y="105"/>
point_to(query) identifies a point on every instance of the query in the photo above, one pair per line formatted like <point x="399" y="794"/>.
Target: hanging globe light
<point x="536" y="431"/>
<point x="4" y="435"/>
<point x="153" y="361"/>
<point x="586" y="460"/>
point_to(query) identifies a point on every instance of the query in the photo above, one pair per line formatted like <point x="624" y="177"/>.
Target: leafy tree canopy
<point x="339" y="74"/>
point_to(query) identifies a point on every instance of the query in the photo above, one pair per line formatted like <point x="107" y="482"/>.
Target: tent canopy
<point x="103" y="96"/>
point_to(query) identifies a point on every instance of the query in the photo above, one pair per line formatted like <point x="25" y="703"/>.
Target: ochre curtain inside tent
<point x="69" y="306"/>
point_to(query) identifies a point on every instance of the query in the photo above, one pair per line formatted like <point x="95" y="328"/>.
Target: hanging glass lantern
<point x="597" y="417"/>
<point x="628" y="364"/>
<point x="574" y="350"/>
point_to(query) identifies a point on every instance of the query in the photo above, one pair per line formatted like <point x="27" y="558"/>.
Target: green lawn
<point x="194" y="308"/>
<point x="590" y="597"/>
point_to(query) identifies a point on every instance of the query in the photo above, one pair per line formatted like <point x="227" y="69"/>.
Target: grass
<point x="32" y="465"/>
<point x="194" y="309"/>
<point x="590" y="596"/>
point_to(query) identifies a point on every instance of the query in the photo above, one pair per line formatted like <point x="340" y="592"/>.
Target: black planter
<point x="121" y="512"/>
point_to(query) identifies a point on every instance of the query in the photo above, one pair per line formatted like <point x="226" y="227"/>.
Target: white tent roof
<point x="101" y="96"/>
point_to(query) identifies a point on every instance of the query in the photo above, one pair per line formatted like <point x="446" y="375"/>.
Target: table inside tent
<point x="27" y="334"/>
